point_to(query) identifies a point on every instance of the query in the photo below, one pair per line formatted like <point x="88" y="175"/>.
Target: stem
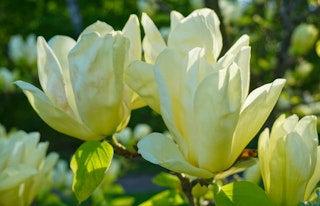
<point x="121" y="150"/>
<point x="186" y="188"/>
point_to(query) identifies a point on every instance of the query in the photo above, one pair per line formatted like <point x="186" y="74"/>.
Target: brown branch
<point x="186" y="187"/>
<point x="121" y="150"/>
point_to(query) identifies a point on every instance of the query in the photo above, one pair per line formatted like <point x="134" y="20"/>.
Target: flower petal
<point x="217" y="104"/>
<point x="132" y="31"/>
<point x="96" y="66"/>
<point x="160" y="149"/>
<point x="314" y="180"/>
<point x="140" y="78"/>
<point x="54" y="117"/>
<point x="260" y="102"/>
<point x="175" y="19"/>
<point x="185" y="35"/>
<point x="153" y="42"/>
<point x="98" y="27"/>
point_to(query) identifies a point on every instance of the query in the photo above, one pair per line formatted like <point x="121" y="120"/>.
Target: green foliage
<point x="167" y="197"/>
<point x="89" y="165"/>
<point x="240" y="194"/>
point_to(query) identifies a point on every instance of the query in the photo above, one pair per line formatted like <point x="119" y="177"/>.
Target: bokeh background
<point x="284" y="37"/>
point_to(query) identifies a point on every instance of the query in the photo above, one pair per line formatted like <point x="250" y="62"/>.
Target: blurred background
<point x="284" y="38"/>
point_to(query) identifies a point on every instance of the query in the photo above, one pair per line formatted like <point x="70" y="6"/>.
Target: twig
<point x="186" y="187"/>
<point x="121" y="150"/>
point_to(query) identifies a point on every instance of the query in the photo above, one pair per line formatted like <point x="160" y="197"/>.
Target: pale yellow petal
<point x="217" y="100"/>
<point x="175" y="19"/>
<point x="98" y="27"/>
<point x="53" y="116"/>
<point x="314" y="180"/>
<point x="160" y="149"/>
<point x="97" y="65"/>
<point x="50" y="76"/>
<point x="131" y="30"/>
<point x="260" y="102"/>
<point x="153" y="42"/>
<point x="15" y="175"/>
<point x="140" y="78"/>
<point x="263" y="151"/>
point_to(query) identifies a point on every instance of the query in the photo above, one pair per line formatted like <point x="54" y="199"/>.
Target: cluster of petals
<point x="84" y="94"/>
<point x="289" y="158"/>
<point x="204" y="100"/>
<point x="24" y="167"/>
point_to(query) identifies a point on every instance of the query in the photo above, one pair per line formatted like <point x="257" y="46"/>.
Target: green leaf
<point x="167" y="197"/>
<point x="89" y="165"/>
<point x="241" y="194"/>
<point x="318" y="47"/>
<point x="167" y="180"/>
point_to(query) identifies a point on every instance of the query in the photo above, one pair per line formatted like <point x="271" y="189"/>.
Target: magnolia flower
<point x="184" y="35"/>
<point x="24" y="167"/>
<point x="84" y="95"/>
<point x="23" y="50"/>
<point x="303" y="39"/>
<point x="6" y="79"/>
<point x="289" y="158"/>
<point x="206" y="108"/>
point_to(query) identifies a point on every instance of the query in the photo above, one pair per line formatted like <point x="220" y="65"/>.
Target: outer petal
<point x="260" y="102"/>
<point x="185" y="35"/>
<point x="153" y="42"/>
<point x="169" y="72"/>
<point x="132" y="31"/>
<point x="217" y="104"/>
<point x="96" y="66"/>
<point x="98" y="27"/>
<point x="61" y="46"/>
<point x="263" y="151"/>
<point x="175" y="19"/>
<point x="160" y="149"/>
<point x="54" y="117"/>
<point x="289" y="169"/>
<point x="50" y="76"/>
<point x="140" y="78"/>
<point x="314" y="180"/>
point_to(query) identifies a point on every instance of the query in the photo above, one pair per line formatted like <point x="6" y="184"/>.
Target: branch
<point x="186" y="187"/>
<point x="121" y="150"/>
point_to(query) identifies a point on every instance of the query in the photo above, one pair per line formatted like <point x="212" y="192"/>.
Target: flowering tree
<point x="200" y="86"/>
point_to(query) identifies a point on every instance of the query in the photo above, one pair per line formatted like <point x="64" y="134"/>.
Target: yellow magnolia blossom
<point x="24" y="167"/>
<point x="84" y="94"/>
<point x="289" y="158"/>
<point x="206" y="108"/>
<point x="199" y="29"/>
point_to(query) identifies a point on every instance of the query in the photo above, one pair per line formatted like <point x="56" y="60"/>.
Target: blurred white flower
<point x="6" y="79"/>
<point x="147" y="6"/>
<point x="62" y="176"/>
<point x="23" y="51"/>
<point x="24" y="167"/>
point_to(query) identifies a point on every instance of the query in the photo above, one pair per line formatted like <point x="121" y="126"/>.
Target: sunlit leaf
<point x="167" y="197"/>
<point x="89" y="165"/>
<point x="167" y="180"/>
<point x="241" y="194"/>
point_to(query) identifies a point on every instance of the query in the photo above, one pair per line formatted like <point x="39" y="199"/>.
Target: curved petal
<point x="260" y="102"/>
<point x="153" y="42"/>
<point x="61" y="46"/>
<point x="96" y="66"/>
<point x="53" y="116"/>
<point x="160" y="149"/>
<point x="289" y="169"/>
<point x="50" y="76"/>
<point x="314" y="180"/>
<point x="217" y="104"/>
<point x="132" y="31"/>
<point x="175" y="19"/>
<point x="140" y="78"/>
<point x="169" y="72"/>
<point x="264" y="154"/>
<point x="98" y="27"/>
